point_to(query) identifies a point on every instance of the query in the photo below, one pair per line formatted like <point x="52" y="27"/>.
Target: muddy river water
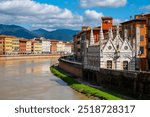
<point x="32" y="79"/>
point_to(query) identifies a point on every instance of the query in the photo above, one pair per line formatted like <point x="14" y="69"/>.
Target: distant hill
<point x="61" y="34"/>
<point x="18" y="31"/>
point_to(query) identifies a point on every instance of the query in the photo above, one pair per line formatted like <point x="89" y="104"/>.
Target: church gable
<point x="109" y="47"/>
<point x="126" y="47"/>
<point x="117" y="41"/>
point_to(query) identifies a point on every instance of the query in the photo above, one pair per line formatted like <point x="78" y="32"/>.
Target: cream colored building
<point x="28" y="47"/>
<point x="68" y="48"/>
<point x="37" y="47"/>
<point x="60" y="47"/>
<point x="46" y="46"/>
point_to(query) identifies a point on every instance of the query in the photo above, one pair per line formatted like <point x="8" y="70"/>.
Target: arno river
<point x="32" y="79"/>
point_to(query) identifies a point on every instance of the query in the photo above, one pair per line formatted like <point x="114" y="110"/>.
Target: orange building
<point x="147" y="17"/>
<point x="53" y="47"/>
<point x="137" y="35"/>
<point x="22" y="46"/>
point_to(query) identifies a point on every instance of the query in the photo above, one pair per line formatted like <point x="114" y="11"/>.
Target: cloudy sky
<point x="71" y="14"/>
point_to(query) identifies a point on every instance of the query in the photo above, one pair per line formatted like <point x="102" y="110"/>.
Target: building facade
<point x="68" y="48"/>
<point x="1" y="45"/>
<point x="36" y="47"/>
<point x="28" y="47"/>
<point x="137" y="36"/>
<point x="15" y="46"/>
<point x="60" y="47"/>
<point x="148" y="37"/>
<point x="7" y="45"/>
<point x="116" y="53"/>
<point x="46" y="46"/>
<point x="22" y="46"/>
<point x="53" y="47"/>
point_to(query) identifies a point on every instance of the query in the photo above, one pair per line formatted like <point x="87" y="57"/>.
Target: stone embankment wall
<point x="136" y="84"/>
<point x="3" y="58"/>
<point x="71" y="67"/>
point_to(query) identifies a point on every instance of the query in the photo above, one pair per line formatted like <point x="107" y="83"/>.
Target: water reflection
<point x="32" y="79"/>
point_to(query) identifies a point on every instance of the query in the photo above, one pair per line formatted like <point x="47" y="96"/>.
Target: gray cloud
<point x="102" y="3"/>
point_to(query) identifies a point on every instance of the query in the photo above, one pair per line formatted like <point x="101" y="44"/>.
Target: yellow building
<point x="1" y="46"/>
<point x="28" y="47"/>
<point x="37" y="47"/>
<point x="15" y="45"/>
<point x="8" y="45"/>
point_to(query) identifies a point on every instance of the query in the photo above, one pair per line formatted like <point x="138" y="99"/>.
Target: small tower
<point x="109" y="34"/>
<point x="91" y="37"/>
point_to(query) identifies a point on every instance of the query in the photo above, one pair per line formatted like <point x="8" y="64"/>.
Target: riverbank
<point x="82" y="88"/>
<point x="3" y="58"/>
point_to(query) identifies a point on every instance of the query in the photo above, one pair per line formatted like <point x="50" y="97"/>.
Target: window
<point x="141" y="38"/>
<point x="141" y="26"/>
<point x="125" y="65"/>
<point x="141" y="50"/>
<point x="109" y="64"/>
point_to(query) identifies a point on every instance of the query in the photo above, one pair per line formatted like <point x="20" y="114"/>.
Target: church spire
<point x="118" y="34"/>
<point x="91" y="37"/>
<point x="111" y="33"/>
<point x="101" y="37"/>
<point x="125" y="34"/>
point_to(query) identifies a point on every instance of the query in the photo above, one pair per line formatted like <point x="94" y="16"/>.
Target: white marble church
<point x="112" y="53"/>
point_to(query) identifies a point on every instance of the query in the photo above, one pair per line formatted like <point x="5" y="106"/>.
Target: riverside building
<point x="1" y="45"/>
<point x="36" y="47"/>
<point x="53" y="46"/>
<point x="60" y="47"/>
<point x="136" y="29"/>
<point x="68" y="48"/>
<point x="15" y="46"/>
<point x="28" y="47"/>
<point x="22" y="46"/>
<point x="7" y="45"/>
